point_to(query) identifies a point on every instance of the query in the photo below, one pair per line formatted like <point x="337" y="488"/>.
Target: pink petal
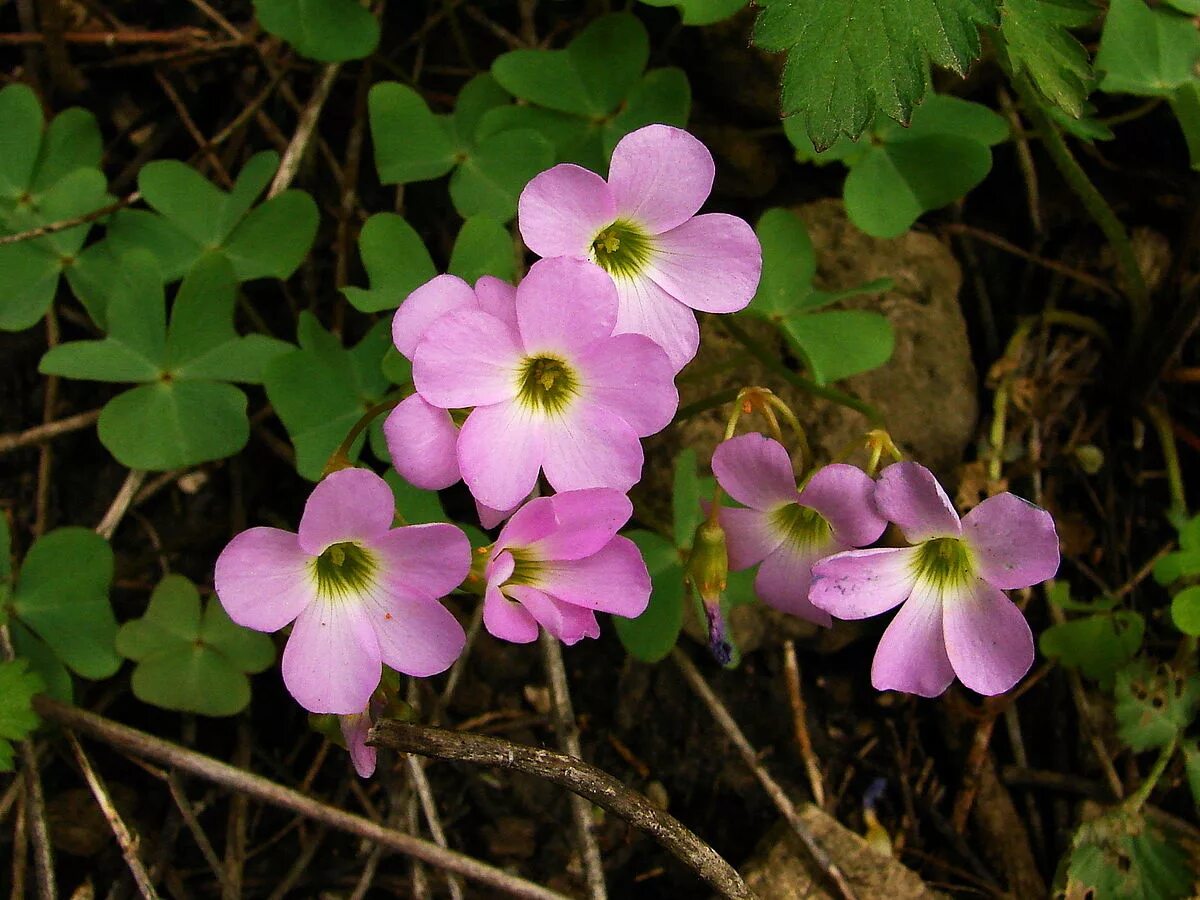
<point x="909" y="495"/>
<point x="570" y="624"/>
<point x="845" y="497"/>
<point x="427" y="304"/>
<point x="416" y="637"/>
<point x="987" y="638"/>
<point x="858" y="584"/>
<point x="500" y="450"/>
<point x="585" y="522"/>
<point x="1014" y="542"/>
<point x="911" y="656"/>
<point x="749" y="536"/>
<point x="755" y="471"/>
<point x="348" y="505"/>
<point x="660" y="177"/>
<point x="649" y="310"/>
<point x="421" y="440"/>
<point x="613" y="580"/>
<point x="331" y="663"/>
<point x="497" y="298"/>
<point x="565" y="305"/>
<point x="422" y="562"/>
<point x="355" y="729"/>
<point x="561" y="211"/>
<point x="263" y="579"/>
<point x="588" y="446"/>
<point x="467" y="358"/>
<point x="500" y="567"/>
<point x="783" y="581"/>
<point x="502" y="617"/>
<point x="531" y="523"/>
<point x="632" y="376"/>
<point x="711" y="263"/>
<point x="489" y="518"/>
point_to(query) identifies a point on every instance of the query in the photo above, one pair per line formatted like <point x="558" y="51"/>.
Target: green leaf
<point x="850" y="61"/>
<point x="685" y="499"/>
<point x="1154" y="704"/>
<point x="789" y="264"/>
<point x="43" y="663"/>
<point x="20" y="139"/>
<point x="324" y="30"/>
<point x="418" y="507"/>
<point x="1087" y="127"/>
<point x="479" y="95"/>
<point x="274" y="238"/>
<point x="1184" y="562"/>
<point x="5" y="556"/>
<point x="490" y="179"/>
<point x="321" y="390"/>
<point x="396" y="262"/>
<point x="17" y="718"/>
<point x="590" y="77"/>
<point x="702" y="12"/>
<point x="1124" y="856"/>
<point x="1185" y="103"/>
<point x="662" y="96"/>
<point x="28" y="281"/>
<point x="1059" y="593"/>
<point x="651" y="635"/>
<point x="67" y="605"/>
<point x="411" y="143"/>
<point x="171" y="425"/>
<point x="189" y="660"/>
<point x="1097" y="645"/>
<point x="841" y="343"/>
<point x="483" y="247"/>
<point x="1185" y="610"/>
<point x="575" y="139"/>
<point x="1147" y="52"/>
<point x="1035" y="40"/>
<point x="1191" y="767"/>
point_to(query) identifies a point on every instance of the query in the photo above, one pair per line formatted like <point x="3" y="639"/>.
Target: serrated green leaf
<point x="489" y="180"/>
<point x="188" y="660"/>
<point x="702" y="12"/>
<point x="483" y="247"/>
<point x="411" y="143"/>
<point x="321" y="390"/>
<point x="1185" y="610"/>
<point x="324" y="30"/>
<point x="417" y="506"/>
<point x="396" y="261"/>
<point x="1154" y="704"/>
<point x="1147" y="52"/>
<point x="1097" y="645"/>
<point x="17" y="718"/>
<point x="651" y="635"/>
<point x="1123" y="856"/>
<point x="1035" y="41"/>
<point x="67" y="605"/>
<point x="848" y="62"/>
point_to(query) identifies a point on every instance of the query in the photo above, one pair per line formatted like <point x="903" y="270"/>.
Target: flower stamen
<point x="621" y="249"/>
<point x="344" y="569"/>
<point x="546" y="383"/>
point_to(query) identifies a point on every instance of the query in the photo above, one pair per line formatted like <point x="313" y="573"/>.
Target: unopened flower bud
<point x="708" y="572"/>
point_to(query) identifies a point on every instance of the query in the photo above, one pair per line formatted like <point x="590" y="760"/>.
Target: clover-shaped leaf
<point x="321" y="390"/>
<point x="413" y="144"/>
<point x="702" y="12"/>
<point x="901" y="173"/>
<point x="189" y="659"/>
<point x="415" y="506"/>
<point x="61" y="596"/>
<point x="651" y="635"/>
<point x="834" y="344"/>
<point x="184" y="411"/>
<point x="1184" y="562"/>
<point x="1146" y="51"/>
<point x="48" y="173"/>
<point x="1098" y="645"/>
<point x="1122" y="855"/>
<point x="17" y="718"/>
<point x="1154" y="704"/>
<point x="1035" y="40"/>
<point x="483" y="247"/>
<point x="1185" y="610"/>
<point x="851" y="62"/>
<point x="589" y="95"/>
<point x="324" y="30"/>
<point x="195" y="218"/>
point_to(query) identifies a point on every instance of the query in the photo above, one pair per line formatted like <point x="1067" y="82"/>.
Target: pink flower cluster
<point x="560" y="376"/>
<point x="955" y="621"/>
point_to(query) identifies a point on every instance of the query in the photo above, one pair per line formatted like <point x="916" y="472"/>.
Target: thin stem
<point x="55" y="227"/>
<point x="1161" y="421"/>
<point x="340" y="458"/>
<point x="1138" y="798"/>
<point x="40" y="434"/>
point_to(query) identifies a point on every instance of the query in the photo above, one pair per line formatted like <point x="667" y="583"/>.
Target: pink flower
<point x="355" y="729"/>
<point x="956" y="619"/>
<point x="557" y="561"/>
<point x="552" y="388"/>
<point x="360" y="592"/>
<point x="788" y="530"/>
<point x="641" y="227"/>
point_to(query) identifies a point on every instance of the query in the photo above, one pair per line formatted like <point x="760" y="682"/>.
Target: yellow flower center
<point x="344" y="569"/>
<point x="621" y="249"/>
<point x="944" y="562"/>
<point x="546" y="383"/>
<point x="804" y="528"/>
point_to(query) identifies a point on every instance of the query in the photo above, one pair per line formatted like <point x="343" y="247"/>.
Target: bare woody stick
<point x="574" y="775"/>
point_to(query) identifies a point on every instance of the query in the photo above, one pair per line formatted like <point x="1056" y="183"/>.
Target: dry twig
<point x="812" y="765"/>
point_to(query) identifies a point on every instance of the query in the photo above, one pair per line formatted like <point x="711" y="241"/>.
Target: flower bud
<point x="708" y="572"/>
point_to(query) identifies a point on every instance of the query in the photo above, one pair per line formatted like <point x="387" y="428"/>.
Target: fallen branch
<point x="577" y="776"/>
<point x="139" y="743"/>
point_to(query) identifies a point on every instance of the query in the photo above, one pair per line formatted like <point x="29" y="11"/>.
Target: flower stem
<point x="1138" y="798"/>
<point x="340" y="458"/>
<point x="1161" y="421"/>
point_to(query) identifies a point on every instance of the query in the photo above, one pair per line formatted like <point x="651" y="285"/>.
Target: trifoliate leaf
<point x="17" y="718"/>
<point x="663" y="96"/>
<point x="1154" y="704"/>
<point x="850" y="62"/>
<point x="1035" y="40"/>
<point x="1097" y="645"/>
<point x="324" y="30"/>
<point x="483" y="247"/>
<point x="1124" y="856"/>
<point x="411" y="143"/>
<point x="489" y="180"/>
<point x="62" y="596"/>
<point x="321" y="390"/>
<point x="396" y="262"/>
<point x="195" y="218"/>
<point x="702" y="12"/>
<point x="651" y="635"/>
<point x="191" y="660"/>
<point x="1145" y="51"/>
